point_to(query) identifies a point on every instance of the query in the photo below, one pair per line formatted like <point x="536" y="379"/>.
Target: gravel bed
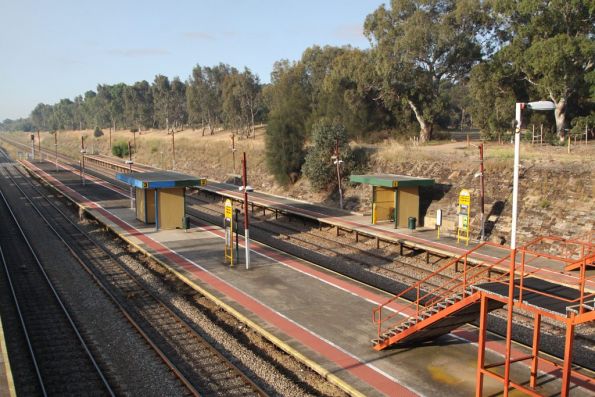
<point x="131" y="367"/>
<point x="273" y="370"/>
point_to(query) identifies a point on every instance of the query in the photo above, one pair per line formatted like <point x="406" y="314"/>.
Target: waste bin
<point x="411" y="222"/>
<point x="186" y="222"/>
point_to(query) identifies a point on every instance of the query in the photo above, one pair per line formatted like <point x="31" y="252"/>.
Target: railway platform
<point x="6" y="381"/>
<point x="424" y="239"/>
<point x="311" y="313"/>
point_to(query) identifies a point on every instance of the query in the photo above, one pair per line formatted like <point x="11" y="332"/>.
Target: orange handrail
<point x="475" y="274"/>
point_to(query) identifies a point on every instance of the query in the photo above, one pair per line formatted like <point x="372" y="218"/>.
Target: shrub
<point x="97" y="133"/>
<point x="120" y="149"/>
<point x="319" y="166"/>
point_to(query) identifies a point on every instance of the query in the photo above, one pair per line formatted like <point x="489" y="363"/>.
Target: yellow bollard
<point x="374" y="214"/>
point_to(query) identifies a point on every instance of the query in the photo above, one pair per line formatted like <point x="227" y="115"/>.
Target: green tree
<point x="138" y="105"/>
<point x="205" y="95"/>
<point x="289" y="104"/>
<point x="241" y="101"/>
<point x="420" y="43"/>
<point x="319" y="165"/>
<point x="550" y="43"/>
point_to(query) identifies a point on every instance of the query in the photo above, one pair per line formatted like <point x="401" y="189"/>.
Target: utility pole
<point x="83" y="151"/>
<point x="134" y="139"/>
<point x="39" y="145"/>
<point x="129" y="162"/>
<point x="233" y="151"/>
<point x="110" y="141"/>
<point x="56" y="147"/>
<point x="482" y="192"/>
<point x="32" y="147"/>
<point x="337" y="161"/>
<point x="246" y="215"/>
<point x="173" y="150"/>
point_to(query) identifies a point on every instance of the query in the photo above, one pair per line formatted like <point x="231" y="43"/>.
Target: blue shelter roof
<point x="159" y="179"/>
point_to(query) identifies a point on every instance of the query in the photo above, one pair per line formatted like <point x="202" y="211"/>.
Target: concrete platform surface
<point x="320" y="317"/>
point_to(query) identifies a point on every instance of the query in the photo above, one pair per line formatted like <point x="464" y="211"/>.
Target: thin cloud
<point x="198" y="35"/>
<point x="349" y="32"/>
<point x="138" y="52"/>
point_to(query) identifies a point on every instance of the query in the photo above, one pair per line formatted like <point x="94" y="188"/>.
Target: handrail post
<point x="379" y="321"/>
<point x="465" y="275"/>
<point x="417" y="303"/>
<point x="522" y="275"/>
<point x="582" y="286"/>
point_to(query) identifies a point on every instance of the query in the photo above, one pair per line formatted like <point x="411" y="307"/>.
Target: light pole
<point x="539" y="105"/>
<point x="482" y="192"/>
<point x="173" y="150"/>
<point x="130" y="162"/>
<point x="56" y="147"/>
<point x="337" y="161"/>
<point x="245" y="187"/>
<point x="83" y="152"/>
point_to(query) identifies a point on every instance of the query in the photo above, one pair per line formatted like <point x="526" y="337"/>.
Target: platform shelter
<point x="395" y="198"/>
<point x="161" y="196"/>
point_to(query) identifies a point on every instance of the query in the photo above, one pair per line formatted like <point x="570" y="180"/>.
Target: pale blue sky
<point x="62" y="48"/>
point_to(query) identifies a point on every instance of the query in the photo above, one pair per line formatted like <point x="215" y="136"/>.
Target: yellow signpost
<point x="464" y="214"/>
<point x="228" y="226"/>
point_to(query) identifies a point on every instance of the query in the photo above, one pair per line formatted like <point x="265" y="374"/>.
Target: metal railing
<point x="434" y="288"/>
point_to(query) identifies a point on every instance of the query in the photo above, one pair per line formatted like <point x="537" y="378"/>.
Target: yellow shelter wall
<point x="408" y="202"/>
<point x="171" y="208"/>
<point x="385" y="203"/>
<point x="140" y="204"/>
<point x="150" y="197"/>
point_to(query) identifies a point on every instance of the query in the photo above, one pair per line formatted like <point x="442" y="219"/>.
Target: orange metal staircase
<point x="440" y="305"/>
<point x="459" y="292"/>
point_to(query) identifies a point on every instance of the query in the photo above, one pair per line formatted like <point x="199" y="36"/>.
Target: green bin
<point x="411" y="222"/>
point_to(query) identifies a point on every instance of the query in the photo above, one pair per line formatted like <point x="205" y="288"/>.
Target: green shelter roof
<point x="391" y="180"/>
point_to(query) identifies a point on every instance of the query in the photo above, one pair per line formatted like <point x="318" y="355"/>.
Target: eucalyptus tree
<point x="417" y="45"/>
<point x="550" y="44"/>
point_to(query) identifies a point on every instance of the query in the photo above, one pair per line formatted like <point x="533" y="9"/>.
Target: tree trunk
<point x="426" y="127"/>
<point x="560" y="115"/>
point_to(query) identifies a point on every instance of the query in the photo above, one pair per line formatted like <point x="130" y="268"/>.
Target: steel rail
<point x="58" y="300"/>
<point x="162" y="355"/>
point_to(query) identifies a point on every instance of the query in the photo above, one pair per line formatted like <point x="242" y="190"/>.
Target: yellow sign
<point x="228" y="224"/>
<point x="203" y="182"/>
<point x="228" y="209"/>
<point x="464" y="214"/>
<point x="464" y="197"/>
<point x="145" y="185"/>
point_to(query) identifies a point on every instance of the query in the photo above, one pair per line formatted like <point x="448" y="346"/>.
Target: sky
<point x="53" y="49"/>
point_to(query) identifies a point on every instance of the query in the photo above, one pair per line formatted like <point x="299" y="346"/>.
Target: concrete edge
<point x="319" y="369"/>
<point x="7" y="368"/>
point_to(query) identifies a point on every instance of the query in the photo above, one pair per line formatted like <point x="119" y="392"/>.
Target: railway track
<point x="393" y="272"/>
<point x="59" y="357"/>
<point x="197" y="364"/>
